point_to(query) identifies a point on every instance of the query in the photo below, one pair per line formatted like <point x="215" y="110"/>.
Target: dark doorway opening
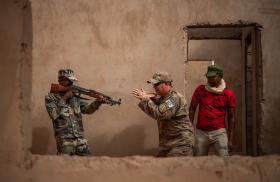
<point x="236" y="47"/>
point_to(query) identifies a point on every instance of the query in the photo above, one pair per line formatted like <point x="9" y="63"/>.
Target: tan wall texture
<point x="15" y="76"/>
<point x="115" y="46"/>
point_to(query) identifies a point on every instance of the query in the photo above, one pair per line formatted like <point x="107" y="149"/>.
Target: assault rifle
<point x="56" y="88"/>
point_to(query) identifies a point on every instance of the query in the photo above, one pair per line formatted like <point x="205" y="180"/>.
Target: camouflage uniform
<point x="175" y="129"/>
<point x="67" y="122"/>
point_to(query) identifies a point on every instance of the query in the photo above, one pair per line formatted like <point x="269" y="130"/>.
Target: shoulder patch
<point x="162" y="108"/>
<point x="169" y="103"/>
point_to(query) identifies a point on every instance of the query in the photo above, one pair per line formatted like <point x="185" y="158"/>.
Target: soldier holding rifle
<point x="65" y="107"/>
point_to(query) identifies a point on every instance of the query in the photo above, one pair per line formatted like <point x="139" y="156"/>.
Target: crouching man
<point x="169" y="108"/>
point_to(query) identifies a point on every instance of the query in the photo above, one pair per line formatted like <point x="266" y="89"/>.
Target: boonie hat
<point x="160" y="77"/>
<point x="214" y="70"/>
<point x="68" y="73"/>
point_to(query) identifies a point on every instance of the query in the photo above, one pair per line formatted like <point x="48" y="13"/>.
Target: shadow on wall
<point x="15" y="75"/>
<point x="40" y="140"/>
<point x="26" y="70"/>
<point x="129" y="141"/>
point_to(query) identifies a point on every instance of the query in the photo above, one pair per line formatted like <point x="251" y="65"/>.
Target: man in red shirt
<point x="215" y="101"/>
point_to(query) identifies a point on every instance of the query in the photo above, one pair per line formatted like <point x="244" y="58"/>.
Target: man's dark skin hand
<point x="69" y="94"/>
<point x="99" y="97"/>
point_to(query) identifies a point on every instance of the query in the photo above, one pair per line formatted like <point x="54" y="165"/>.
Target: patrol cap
<point x="68" y="73"/>
<point x="214" y="70"/>
<point x="160" y="77"/>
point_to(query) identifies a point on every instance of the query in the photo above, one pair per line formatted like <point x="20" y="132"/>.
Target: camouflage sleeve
<point x="162" y="111"/>
<point x="90" y="108"/>
<point x="55" y="107"/>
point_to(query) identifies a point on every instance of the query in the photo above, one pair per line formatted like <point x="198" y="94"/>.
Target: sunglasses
<point x="157" y="84"/>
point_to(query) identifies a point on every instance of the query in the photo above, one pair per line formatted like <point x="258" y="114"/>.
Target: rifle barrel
<point x="87" y="91"/>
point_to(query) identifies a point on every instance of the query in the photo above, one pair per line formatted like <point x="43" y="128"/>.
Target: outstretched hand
<point x="141" y="94"/>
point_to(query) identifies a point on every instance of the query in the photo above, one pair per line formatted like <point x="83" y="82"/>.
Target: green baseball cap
<point x="214" y="70"/>
<point x="160" y="77"/>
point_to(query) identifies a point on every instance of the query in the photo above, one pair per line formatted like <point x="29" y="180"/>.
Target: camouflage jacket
<point x="67" y="116"/>
<point x="170" y="111"/>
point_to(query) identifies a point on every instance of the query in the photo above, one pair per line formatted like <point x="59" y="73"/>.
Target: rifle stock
<point x="56" y="88"/>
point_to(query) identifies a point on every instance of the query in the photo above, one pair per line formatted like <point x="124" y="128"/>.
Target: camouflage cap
<point x="68" y="73"/>
<point x="160" y="77"/>
<point x="214" y="70"/>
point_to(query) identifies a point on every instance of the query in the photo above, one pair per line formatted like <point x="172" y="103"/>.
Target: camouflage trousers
<point x="72" y="146"/>
<point x="179" y="151"/>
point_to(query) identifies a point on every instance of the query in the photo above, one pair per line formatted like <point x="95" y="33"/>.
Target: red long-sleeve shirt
<point x="212" y="107"/>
